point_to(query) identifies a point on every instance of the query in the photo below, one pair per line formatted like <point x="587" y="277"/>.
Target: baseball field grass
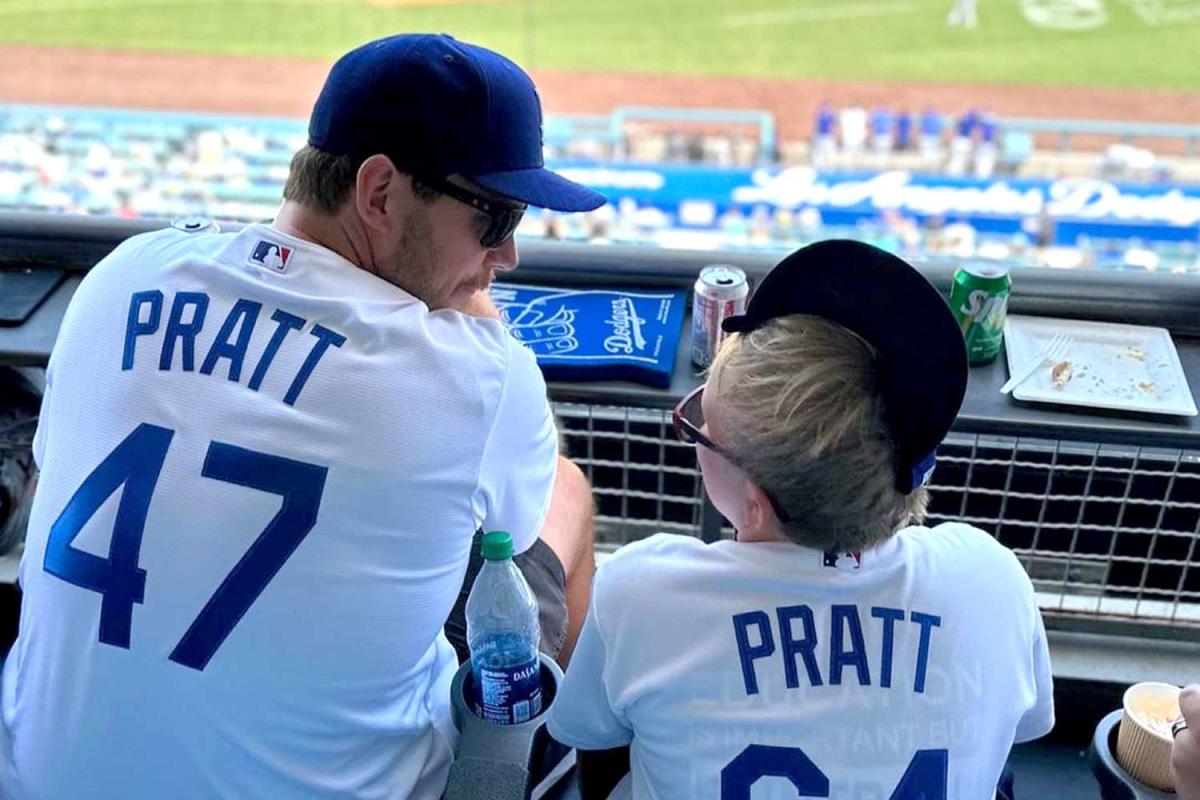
<point x="1120" y="43"/>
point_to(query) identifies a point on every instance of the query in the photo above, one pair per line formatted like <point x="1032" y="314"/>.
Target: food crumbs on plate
<point x="1149" y="387"/>
<point x="1135" y="352"/>
<point x="1060" y="373"/>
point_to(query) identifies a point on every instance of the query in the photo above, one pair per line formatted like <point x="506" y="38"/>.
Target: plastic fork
<point x="1052" y="352"/>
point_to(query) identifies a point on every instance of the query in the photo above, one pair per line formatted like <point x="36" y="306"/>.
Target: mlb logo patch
<point x="271" y="255"/>
<point x="835" y="560"/>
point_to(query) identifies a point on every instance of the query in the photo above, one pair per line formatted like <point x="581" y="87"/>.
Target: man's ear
<point x="374" y="192"/>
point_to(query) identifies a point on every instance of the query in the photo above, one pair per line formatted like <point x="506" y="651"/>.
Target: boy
<point x="834" y="648"/>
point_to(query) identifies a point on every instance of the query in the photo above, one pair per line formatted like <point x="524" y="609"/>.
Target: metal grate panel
<point x="1105" y="531"/>
<point x="644" y="479"/>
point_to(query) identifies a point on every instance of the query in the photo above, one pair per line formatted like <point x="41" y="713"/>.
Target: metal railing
<point x="1106" y="532"/>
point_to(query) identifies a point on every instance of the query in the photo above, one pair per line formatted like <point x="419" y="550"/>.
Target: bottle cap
<point x="497" y="546"/>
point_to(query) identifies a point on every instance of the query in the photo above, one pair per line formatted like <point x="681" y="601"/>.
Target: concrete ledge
<point x="1122" y="659"/>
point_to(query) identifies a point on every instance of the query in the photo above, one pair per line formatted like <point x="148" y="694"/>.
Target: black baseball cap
<point x="920" y="361"/>
<point x="438" y="107"/>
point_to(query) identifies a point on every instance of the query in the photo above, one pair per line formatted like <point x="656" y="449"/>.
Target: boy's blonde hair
<point x="801" y="411"/>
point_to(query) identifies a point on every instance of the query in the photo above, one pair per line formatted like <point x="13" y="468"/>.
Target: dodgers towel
<point x="594" y="334"/>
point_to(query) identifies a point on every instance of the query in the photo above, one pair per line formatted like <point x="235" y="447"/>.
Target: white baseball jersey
<point x="261" y="468"/>
<point x="740" y="670"/>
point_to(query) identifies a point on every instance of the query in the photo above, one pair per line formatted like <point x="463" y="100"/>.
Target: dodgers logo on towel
<point x="588" y="334"/>
<point x="271" y="255"/>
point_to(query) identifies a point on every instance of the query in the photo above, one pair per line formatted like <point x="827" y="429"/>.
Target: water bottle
<point x="502" y="636"/>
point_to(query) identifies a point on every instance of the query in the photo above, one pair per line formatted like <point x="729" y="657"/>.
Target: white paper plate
<point x="1121" y="367"/>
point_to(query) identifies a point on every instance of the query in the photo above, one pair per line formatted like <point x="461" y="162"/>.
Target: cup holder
<point x="1115" y="782"/>
<point x="463" y="689"/>
<point x="508" y="760"/>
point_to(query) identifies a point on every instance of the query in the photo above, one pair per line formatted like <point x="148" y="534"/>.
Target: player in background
<point x="835" y="647"/>
<point x="963" y="13"/>
<point x="987" y="149"/>
<point x="883" y="133"/>
<point x="263" y="457"/>
<point x="963" y="142"/>
<point x="929" y="140"/>
<point x="824" y="141"/>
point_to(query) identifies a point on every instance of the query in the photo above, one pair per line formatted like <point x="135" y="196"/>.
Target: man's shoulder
<point x="474" y="337"/>
<point x="171" y="240"/>
<point x="153" y="250"/>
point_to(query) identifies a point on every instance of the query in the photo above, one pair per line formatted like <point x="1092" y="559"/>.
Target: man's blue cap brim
<point x="542" y="188"/>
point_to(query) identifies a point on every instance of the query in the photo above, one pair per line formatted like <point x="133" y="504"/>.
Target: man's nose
<point x="505" y="256"/>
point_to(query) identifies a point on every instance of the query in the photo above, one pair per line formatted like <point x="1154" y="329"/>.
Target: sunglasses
<point x="688" y="417"/>
<point x="503" y="218"/>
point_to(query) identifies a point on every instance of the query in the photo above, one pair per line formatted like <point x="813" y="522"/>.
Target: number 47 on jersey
<point x="135" y="464"/>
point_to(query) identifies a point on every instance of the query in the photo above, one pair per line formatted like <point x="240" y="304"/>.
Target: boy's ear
<point x="759" y="514"/>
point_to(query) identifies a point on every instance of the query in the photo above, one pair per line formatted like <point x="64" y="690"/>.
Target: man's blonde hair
<point x="801" y="410"/>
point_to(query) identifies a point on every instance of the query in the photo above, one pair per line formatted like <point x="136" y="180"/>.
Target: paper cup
<point x="1144" y="735"/>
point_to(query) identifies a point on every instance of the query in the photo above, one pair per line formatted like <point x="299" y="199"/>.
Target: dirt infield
<point x="288" y="88"/>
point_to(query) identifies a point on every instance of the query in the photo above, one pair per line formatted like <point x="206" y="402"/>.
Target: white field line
<point x="1163" y="12"/>
<point x="818" y="14"/>
<point x="23" y="7"/>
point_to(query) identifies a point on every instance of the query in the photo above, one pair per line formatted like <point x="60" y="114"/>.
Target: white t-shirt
<point x="729" y="665"/>
<point x="301" y="453"/>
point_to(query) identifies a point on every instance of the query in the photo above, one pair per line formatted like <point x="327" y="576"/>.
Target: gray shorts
<point x="546" y="577"/>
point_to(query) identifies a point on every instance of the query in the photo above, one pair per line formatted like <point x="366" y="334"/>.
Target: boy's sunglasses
<point x="688" y="417"/>
<point x="503" y="217"/>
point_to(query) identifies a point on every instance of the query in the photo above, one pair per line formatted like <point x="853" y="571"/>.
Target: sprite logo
<point x="983" y="307"/>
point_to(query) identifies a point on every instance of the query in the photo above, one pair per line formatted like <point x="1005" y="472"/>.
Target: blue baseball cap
<point x="920" y="356"/>
<point x="438" y="107"/>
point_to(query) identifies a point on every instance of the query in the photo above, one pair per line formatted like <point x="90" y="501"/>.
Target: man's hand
<point x="1185" y="753"/>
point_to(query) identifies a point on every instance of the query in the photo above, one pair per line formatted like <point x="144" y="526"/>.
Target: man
<point x="1185" y="751"/>
<point x="963" y="13"/>
<point x="963" y="143"/>
<point x="852" y="123"/>
<point x="986" y="148"/>
<point x="930" y="140"/>
<point x="263" y="457"/>
<point x="883" y="122"/>
<point x="835" y="648"/>
<point x="824" y="143"/>
<point x="904" y="123"/>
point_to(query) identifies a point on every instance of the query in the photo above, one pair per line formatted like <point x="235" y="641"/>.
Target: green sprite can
<point x="979" y="300"/>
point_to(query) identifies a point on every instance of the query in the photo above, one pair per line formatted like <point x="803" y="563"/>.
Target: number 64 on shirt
<point x="925" y="778"/>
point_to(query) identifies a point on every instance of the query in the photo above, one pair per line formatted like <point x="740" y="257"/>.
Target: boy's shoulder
<point x="654" y="553"/>
<point x="953" y="546"/>
<point x="955" y="537"/>
<point x="656" y="560"/>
